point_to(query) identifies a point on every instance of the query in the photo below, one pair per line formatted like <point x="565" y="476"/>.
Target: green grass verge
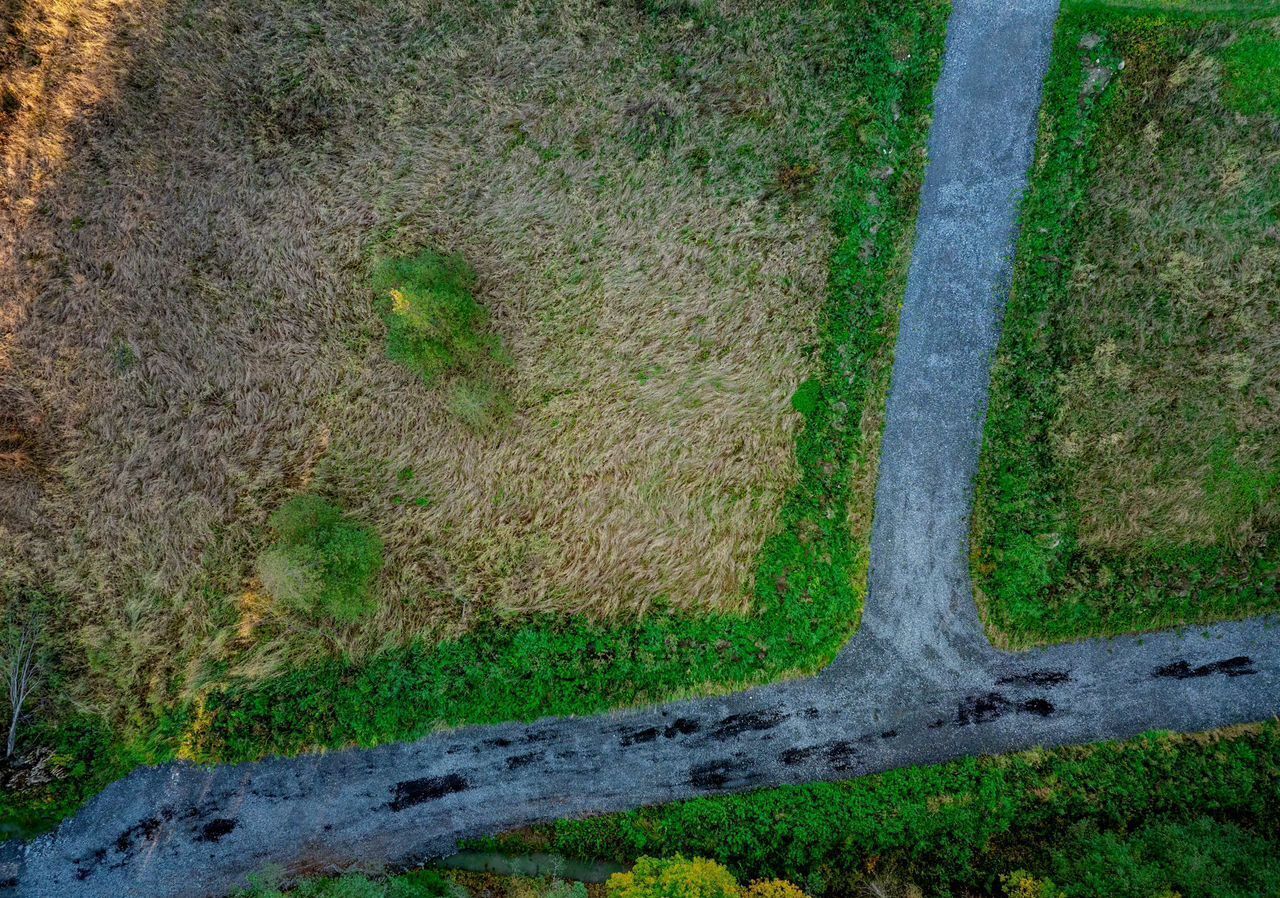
<point x="1042" y="563"/>
<point x="811" y="573"/>
<point x="1157" y="815"/>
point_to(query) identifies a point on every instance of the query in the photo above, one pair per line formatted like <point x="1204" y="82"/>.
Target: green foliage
<point x="1252" y="65"/>
<point x="322" y="564"/>
<point x="1204" y="858"/>
<point x="805" y="398"/>
<point x="957" y="827"/>
<point x="434" y="324"/>
<point x="419" y="884"/>
<point x="675" y="877"/>
<point x="566" y="889"/>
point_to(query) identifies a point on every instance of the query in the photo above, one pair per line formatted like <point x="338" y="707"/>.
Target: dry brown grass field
<point x="188" y="335"/>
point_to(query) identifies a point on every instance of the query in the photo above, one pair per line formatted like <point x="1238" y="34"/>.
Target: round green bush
<point x="322" y="564"/>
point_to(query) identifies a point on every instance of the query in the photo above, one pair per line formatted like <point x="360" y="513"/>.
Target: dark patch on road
<point x="750" y="721"/>
<point x="216" y="830"/>
<point x="711" y="775"/>
<point x="984" y="707"/>
<point x="940" y="722"/>
<point x="429" y="788"/>
<point x="1239" y="666"/>
<point x="515" y="762"/>
<point x="839" y="754"/>
<point x="500" y="742"/>
<point x="1041" y="678"/>
<point x="809" y="713"/>
<point x="981" y="708"/>
<point x="794" y="756"/>
<point x="1040" y="707"/>
<point x="634" y="737"/>
<point x="889" y="734"/>
<point x="146" y="829"/>
<point x="683" y="726"/>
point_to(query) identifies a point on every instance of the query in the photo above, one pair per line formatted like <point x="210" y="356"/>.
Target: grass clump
<point x="437" y="329"/>
<point x="322" y="564"/>
<point x="434" y="324"/>
<point x="1130" y="477"/>
<point x="1252" y="64"/>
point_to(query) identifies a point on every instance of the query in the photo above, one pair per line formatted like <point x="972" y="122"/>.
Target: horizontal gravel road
<point x="919" y="683"/>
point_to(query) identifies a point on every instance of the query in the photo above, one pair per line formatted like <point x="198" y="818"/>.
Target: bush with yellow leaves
<point x="679" y="877"/>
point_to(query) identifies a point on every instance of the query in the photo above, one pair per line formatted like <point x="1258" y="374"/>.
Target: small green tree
<point x="322" y="564"/>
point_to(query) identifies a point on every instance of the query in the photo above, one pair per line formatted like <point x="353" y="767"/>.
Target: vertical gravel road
<point x="919" y="683"/>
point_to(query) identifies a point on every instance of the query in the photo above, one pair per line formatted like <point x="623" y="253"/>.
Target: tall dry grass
<point x="643" y="195"/>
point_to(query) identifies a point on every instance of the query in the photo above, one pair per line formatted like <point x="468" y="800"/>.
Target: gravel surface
<point x="918" y="684"/>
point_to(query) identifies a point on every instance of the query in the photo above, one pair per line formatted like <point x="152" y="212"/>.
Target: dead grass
<point x="1169" y="424"/>
<point x="643" y="198"/>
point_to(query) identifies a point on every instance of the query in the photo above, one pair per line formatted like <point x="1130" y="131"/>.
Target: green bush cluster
<point x="322" y="564"/>
<point x="437" y="329"/>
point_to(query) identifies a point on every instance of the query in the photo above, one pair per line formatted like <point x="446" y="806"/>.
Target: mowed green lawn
<point x="1130" y="476"/>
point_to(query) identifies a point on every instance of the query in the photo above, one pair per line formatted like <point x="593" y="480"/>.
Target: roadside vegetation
<point x="1161" y="815"/>
<point x="1130" y="476"/>
<point x="563" y="329"/>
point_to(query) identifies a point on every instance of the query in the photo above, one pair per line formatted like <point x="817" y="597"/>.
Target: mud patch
<point x="515" y="762"/>
<point x="712" y="775"/>
<point x="985" y="707"/>
<point x="637" y="737"/>
<point x="1239" y="666"/>
<point x="840" y="754"/>
<point x="751" y="721"/>
<point x="1040" y="678"/>
<point x="216" y="830"/>
<point x="430" y="788"/>
<point x="683" y="726"/>
<point x="146" y="829"/>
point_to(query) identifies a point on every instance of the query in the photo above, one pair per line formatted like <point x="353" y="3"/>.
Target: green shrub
<point x="1201" y="859"/>
<point x="434" y="324"/>
<point x="805" y="398"/>
<point x="322" y="564"/>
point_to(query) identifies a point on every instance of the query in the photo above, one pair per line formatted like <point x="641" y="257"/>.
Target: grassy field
<point x="676" y="238"/>
<point x="1194" y="816"/>
<point x="1130" y="476"/>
